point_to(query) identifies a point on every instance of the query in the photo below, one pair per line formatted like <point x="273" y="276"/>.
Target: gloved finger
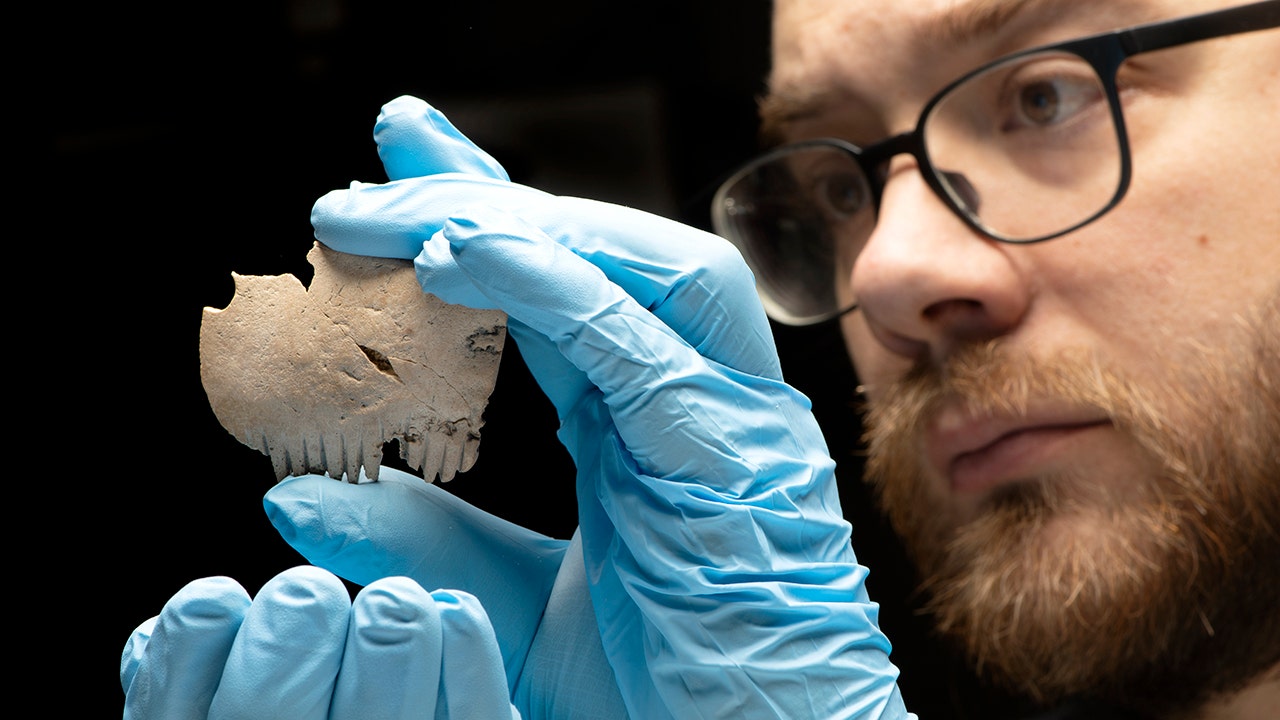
<point x="695" y="282"/>
<point x="288" y="650"/>
<point x="172" y="663"/>
<point x="391" y="663"/>
<point x="472" y="680"/>
<point x="669" y="403"/>
<point x="394" y="219"/>
<point x="415" y="139"/>
<point x="562" y="383"/>
<point x="402" y="525"/>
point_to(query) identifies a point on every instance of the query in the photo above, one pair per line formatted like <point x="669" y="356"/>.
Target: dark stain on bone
<point x="484" y="340"/>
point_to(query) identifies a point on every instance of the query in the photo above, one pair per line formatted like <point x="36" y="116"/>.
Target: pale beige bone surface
<point x="319" y="379"/>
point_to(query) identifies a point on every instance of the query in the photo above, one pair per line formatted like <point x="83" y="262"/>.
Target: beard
<point x="1153" y="585"/>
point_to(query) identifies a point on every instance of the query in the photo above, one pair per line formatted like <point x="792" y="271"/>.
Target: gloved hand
<point x="395" y="537"/>
<point x="302" y="650"/>
<point x="534" y="588"/>
<point x="718" y="561"/>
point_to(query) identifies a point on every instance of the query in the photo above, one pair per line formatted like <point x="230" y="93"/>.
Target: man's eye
<point x="840" y="195"/>
<point x="1039" y="103"/>
<point x="1051" y="100"/>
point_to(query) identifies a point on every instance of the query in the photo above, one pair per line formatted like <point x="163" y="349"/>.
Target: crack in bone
<point x="379" y="360"/>
<point x="320" y="379"/>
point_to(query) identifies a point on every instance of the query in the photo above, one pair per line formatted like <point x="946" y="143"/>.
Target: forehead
<point x="883" y="51"/>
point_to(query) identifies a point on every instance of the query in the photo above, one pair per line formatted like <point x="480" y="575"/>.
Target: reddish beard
<point x="1158" y="588"/>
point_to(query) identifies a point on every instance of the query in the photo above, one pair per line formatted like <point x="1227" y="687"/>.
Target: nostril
<point x="941" y="310"/>
<point x="898" y="344"/>
<point x="962" y="319"/>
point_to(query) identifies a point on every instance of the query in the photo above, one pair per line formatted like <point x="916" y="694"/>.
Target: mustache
<point x="991" y="378"/>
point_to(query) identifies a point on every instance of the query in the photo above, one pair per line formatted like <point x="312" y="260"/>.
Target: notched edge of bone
<point x="321" y="378"/>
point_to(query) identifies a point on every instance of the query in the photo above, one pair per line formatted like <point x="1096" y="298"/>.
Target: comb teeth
<point x="319" y="380"/>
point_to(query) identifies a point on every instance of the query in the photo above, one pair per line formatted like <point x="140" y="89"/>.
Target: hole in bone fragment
<point x="379" y="360"/>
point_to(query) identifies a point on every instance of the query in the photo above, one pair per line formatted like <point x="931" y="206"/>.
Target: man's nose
<point x="927" y="282"/>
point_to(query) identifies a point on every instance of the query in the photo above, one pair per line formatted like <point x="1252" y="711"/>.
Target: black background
<point x="188" y="141"/>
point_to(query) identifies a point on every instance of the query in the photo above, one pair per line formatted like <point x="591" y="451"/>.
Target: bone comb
<point x="320" y="378"/>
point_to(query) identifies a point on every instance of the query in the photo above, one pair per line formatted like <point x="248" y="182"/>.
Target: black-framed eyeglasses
<point x="1026" y="148"/>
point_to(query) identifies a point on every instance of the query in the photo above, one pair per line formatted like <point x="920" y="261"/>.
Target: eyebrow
<point x="977" y="19"/>
<point x="779" y="108"/>
<point x="955" y="28"/>
<point x="984" y="17"/>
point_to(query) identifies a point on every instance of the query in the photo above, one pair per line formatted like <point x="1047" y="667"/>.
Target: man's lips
<point x="978" y="452"/>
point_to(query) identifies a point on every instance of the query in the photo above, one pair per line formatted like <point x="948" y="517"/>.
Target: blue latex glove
<point x="302" y="650"/>
<point x="718" y="561"/>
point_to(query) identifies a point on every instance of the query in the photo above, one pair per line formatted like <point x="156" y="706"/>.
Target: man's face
<point x="1077" y="438"/>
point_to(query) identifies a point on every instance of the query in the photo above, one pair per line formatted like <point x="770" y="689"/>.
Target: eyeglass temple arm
<point x="1231" y="21"/>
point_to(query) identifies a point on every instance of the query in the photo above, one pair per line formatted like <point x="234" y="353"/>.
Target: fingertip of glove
<point x="462" y="226"/>
<point x="308" y="588"/>
<point x="394" y="608"/>
<point x="210" y="599"/>
<point x="293" y="508"/>
<point x="404" y="104"/>
<point x="487" y="222"/>
<point x="326" y="520"/>
<point x="462" y="613"/>
<point x="325" y="206"/>
<point x="416" y="139"/>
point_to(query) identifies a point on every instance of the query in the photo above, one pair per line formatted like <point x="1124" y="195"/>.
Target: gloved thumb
<point x="415" y="139"/>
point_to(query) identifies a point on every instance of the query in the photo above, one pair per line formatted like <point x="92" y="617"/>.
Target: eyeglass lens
<point x="1034" y="143"/>
<point x="1026" y="149"/>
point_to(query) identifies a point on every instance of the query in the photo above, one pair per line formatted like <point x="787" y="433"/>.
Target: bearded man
<point x="1075" y="429"/>
<point x="1048" y="231"/>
